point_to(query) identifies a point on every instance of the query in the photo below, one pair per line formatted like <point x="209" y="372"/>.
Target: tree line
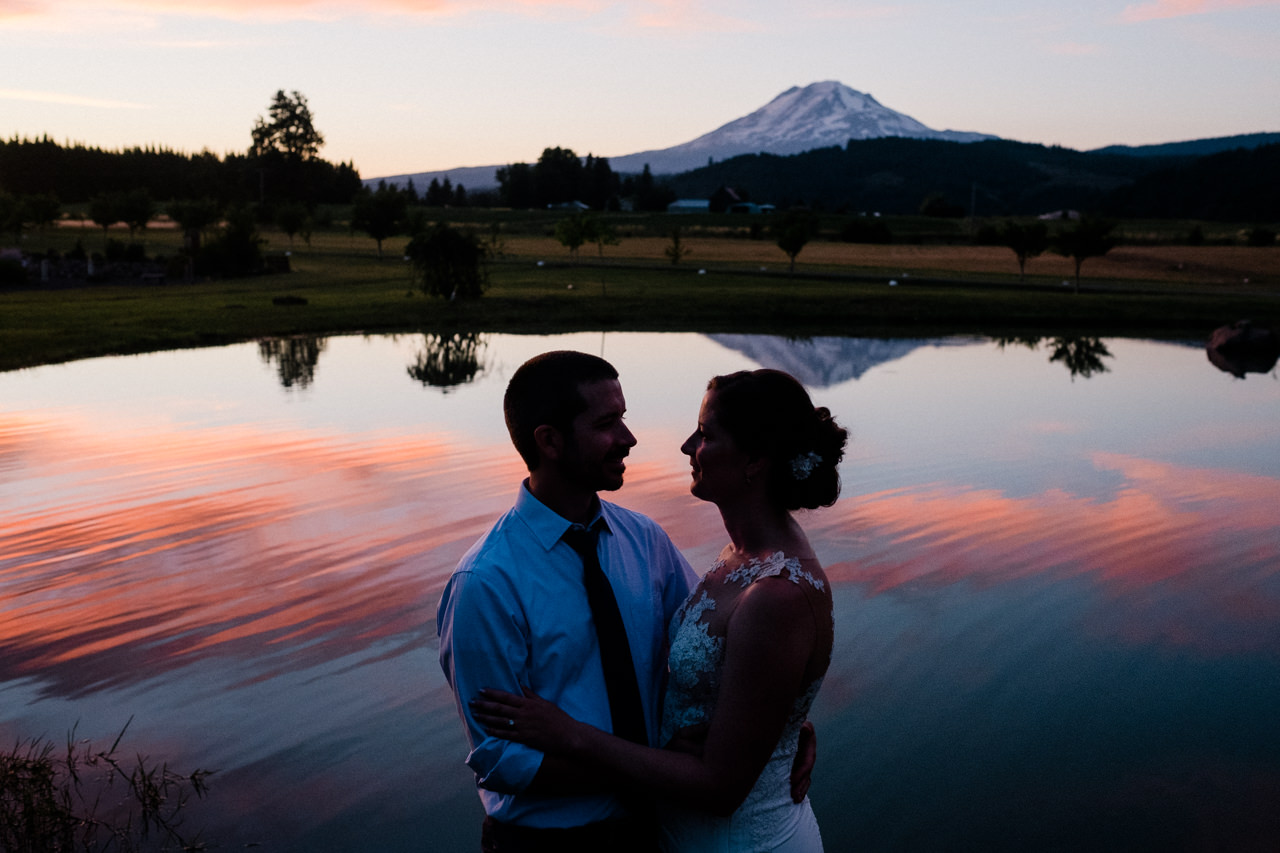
<point x="76" y="173"/>
<point x="561" y="177"/>
<point x="1000" y="178"/>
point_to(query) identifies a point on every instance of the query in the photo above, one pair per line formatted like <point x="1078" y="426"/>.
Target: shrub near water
<point x="86" y="799"/>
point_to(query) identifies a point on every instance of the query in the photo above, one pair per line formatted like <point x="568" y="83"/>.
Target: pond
<point x="1056" y="568"/>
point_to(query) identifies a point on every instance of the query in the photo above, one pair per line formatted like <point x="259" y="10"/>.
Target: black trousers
<point x="625" y="835"/>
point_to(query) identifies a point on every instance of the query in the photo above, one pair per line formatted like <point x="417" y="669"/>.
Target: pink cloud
<point x="63" y="99"/>
<point x="1179" y="8"/>
<point x="685" y="17"/>
<point x="278" y="9"/>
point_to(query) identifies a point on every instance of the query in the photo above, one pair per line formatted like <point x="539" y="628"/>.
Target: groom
<point x="515" y="613"/>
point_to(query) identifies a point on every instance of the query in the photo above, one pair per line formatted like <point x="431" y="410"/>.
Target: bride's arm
<point x="767" y="648"/>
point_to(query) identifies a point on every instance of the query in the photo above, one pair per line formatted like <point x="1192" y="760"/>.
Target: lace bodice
<point x="696" y="658"/>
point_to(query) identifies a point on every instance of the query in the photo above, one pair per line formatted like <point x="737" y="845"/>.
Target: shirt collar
<point x="546" y="524"/>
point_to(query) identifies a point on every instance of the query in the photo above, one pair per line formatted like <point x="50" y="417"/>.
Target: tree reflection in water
<point x="446" y="361"/>
<point x="295" y="358"/>
<point x="1083" y="356"/>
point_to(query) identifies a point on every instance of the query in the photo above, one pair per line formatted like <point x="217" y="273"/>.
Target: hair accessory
<point x="802" y="466"/>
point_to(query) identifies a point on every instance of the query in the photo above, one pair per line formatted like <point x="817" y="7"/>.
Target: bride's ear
<point x="757" y="469"/>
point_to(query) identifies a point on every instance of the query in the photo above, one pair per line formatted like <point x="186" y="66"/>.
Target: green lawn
<point x="347" y="289"/>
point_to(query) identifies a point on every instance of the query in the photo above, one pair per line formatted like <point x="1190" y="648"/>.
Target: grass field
<point x="727" y="282"/>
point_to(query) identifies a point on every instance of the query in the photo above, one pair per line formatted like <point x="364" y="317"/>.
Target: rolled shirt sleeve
<point x="483" y="643"/>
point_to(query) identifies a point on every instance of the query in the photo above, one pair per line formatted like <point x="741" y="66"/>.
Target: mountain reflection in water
<point x="1058" y="608"/>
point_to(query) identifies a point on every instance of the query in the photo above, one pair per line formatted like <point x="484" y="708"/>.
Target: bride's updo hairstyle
<point x="768" y="414"/>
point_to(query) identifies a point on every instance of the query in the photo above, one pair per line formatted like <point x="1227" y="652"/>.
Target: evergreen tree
<point x="291" y="130"/>
<point x="515" y="185"/>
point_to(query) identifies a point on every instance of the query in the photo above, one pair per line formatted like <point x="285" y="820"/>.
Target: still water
<point x="1056" y="572"/>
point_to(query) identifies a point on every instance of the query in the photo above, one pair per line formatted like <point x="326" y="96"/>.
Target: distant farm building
<point x="689" y="205"/>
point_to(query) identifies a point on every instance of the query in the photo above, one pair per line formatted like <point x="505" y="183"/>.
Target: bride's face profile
<point x="719" y="465"/>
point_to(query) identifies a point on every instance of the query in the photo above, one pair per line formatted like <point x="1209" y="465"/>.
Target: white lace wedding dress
<point x="768" y="820"/>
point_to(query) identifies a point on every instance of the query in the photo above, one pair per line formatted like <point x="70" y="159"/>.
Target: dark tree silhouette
<point x="446" y="361"/>
<point x="106" y="209"/>
<point x="560" y="176"/>
<point x="793" y="231"/>
<point x="677" y="250"/>
<point x="1027" y="241"/>
<point x="194" y="218"/>
<point x="380" y="213"/>
<point x="515" y="185"/>
<point x="291" y="218"/>
<point x="1082" y="356"/>
<point x="40" y="210"/>
<point x="137" y="210"/>
<point x="11" y="215"/>
<point x="575" y="230"/>
<point x="237" y="248"/>
<point x="1088" y="238"/>
<point x="448" y="262"/>
<point x="557" y="177"/>
<point x="290" y="129"/>
<point x="295" y="358"/>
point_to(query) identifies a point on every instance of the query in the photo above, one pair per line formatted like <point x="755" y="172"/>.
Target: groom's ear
<point x="550" y="442"/>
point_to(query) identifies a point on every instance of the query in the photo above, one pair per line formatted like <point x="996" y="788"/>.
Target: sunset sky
<point x="402" y="86"/>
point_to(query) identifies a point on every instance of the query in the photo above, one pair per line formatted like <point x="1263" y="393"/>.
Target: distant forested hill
<point x="996" y="178"/>
<point x="1241" y="185"/>
<point x="76" y="173"/>
<point x="1193" y="147"/>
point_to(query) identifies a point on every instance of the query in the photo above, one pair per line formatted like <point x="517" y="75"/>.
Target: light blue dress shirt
<point x="515" y="613"/>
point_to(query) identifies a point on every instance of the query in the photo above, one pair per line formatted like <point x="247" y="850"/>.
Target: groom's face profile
<point x="598" y="441"/>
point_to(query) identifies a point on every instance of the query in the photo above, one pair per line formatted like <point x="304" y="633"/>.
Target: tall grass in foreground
<point x="90" y="799"/>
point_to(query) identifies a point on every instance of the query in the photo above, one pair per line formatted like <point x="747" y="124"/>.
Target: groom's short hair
<point x="546" y="390"/>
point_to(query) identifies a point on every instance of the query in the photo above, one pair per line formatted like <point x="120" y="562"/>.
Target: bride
<point x="750" y="646"/>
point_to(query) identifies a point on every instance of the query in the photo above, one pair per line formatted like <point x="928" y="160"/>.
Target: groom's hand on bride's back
<point x="802" y="767"/>
<point x="689" y="740"/>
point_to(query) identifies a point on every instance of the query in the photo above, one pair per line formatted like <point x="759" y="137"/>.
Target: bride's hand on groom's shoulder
<point x="526" y="718"/>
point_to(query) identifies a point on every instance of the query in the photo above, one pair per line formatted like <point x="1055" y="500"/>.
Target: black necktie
<point x="615" y="652"/>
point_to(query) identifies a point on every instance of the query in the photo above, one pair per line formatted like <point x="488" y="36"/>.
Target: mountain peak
<point x="802" y="118"/>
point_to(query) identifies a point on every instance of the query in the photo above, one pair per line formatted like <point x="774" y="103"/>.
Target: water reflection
<point x="1242" y="347"/>
<point x="1040" y="588"/>
<point x="1082" y="356"/>
<point x="295" y="358"/>
<point x="822" y="362"/>
<point x="446" y="361"/>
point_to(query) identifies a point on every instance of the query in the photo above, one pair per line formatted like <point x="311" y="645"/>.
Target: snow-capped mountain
<point x="800" y="119"/>
<point x="826" y="361"/>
